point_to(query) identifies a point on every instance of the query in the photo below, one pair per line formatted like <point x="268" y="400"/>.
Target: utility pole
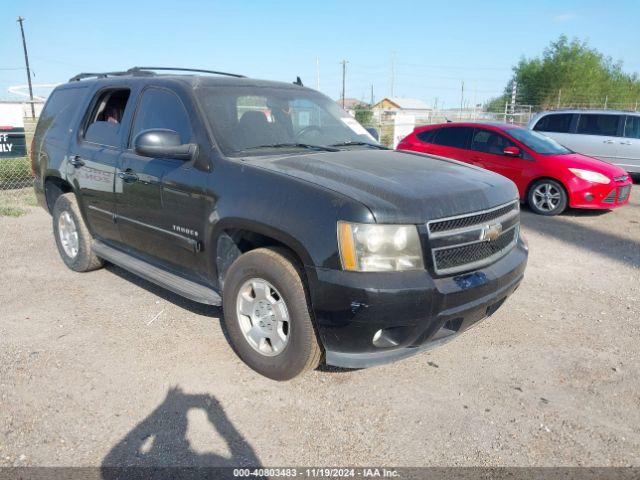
<point x="606" y="101"/>
<point x="514" y="90"/>
<point x="317" y="73"/>
<point x="26" y="61"/>
<point x="461" y="99"/>
<point x="372" y="98"/>
<point x="344" y="74"/>
<point x="559" y="96"/>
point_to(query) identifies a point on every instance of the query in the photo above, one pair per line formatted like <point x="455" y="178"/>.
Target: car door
<point x="488" y="152"/>
<point x="161" y="203"/>
<point x="629" y="151"/>
<point x="597" y="135"/>
<point x="453" y="142"/>
<point x="93" y="156"/>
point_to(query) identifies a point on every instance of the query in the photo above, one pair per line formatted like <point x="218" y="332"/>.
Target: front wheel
<point x="547" y="197"/>
<point x="266" y="314"/>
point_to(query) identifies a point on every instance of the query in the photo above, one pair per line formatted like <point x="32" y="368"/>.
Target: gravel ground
<point x="103" y="368"/>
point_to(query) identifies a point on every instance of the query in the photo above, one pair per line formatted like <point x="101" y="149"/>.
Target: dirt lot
<point x="103" y="369"/>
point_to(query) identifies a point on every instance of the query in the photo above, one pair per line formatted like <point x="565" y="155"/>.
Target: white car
<point x="612" y="136"/>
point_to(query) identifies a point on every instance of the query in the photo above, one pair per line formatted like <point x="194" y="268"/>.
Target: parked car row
<point x="550" y="177"/>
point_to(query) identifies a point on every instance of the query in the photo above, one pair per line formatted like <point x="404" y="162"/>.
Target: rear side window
<point x="427" y="135"/>
<point x="632" y="127"/>
<point x="598" y="124"/>
<point x="557" y="122"/>
<point x="103" y="124"/>
<point x="457" y="137"/>
<point x="161" y="108"/>
<point x="490" y="142"/>
<point x="59" y="112"/>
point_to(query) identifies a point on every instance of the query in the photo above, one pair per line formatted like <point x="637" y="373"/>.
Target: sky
<point x="433" y="46"/>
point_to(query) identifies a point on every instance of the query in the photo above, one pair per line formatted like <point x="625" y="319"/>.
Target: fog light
<point x="588" y="197"/>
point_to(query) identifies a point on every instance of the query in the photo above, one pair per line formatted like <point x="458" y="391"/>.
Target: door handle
<point x="76" y="161"/>
<point x="128" y="176"/>
<point x="625" y="143"/>
<point x="607" y="141"/>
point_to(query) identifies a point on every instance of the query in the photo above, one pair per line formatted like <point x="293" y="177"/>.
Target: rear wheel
<point x="72" y="236"/>
<point x="547" y="197"/>
<point x="266" y="314"/>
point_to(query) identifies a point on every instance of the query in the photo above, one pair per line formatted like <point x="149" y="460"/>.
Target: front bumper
<point x="583" y="194"/>
<point x="367" y="319"/>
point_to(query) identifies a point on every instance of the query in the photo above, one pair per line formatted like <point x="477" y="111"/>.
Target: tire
<point x="547" y="197"/>
<point x="77" y="254"/>
<point x="261" y="281"/>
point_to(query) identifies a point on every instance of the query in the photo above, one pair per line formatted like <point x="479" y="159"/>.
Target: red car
<point x="549" y="176"/>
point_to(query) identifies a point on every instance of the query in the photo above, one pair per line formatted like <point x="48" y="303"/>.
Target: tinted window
<point x="490" y="142"/>
<point x="162" y="109"/>
<point x="458" y="137"/>
<point x="537" y="142"/>
<point x="55" y="120"/>
<point x="557" y="122"/>
<point x="427" y="135"/>
<point x="103" y="124"/>
<point x="632" y="127"/>
<point x="594" y="124"/>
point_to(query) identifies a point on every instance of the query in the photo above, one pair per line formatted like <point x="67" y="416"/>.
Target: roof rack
<point x="148" y="71"/>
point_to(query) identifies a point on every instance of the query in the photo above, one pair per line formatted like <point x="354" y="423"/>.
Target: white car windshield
<point x="255" y="120"/>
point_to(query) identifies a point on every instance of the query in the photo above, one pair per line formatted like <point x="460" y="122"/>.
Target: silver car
<point x="612" y="136"/>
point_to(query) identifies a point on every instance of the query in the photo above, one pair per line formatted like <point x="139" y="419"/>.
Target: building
<point x="388" y="107"/>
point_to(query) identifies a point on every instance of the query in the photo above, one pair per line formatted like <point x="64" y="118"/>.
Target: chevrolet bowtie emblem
<point x="491" y="232"/>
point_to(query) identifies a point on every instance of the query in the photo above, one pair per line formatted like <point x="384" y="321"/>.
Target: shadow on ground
<point x="160" y="441"/>
<point x="603" y="241"/>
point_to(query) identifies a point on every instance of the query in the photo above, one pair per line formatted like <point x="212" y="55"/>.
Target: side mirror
<point x="163" y="143"/>
<point x="373" y="132"/>
<point x="512" y="151"/>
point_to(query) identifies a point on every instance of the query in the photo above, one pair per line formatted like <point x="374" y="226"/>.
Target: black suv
<point x="269" y="199"/>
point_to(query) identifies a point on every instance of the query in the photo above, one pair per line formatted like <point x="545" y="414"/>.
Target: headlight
<point x="379" y="248"/>
<point x="590" y="176"/>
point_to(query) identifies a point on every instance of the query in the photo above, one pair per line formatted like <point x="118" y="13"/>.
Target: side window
<point x="161" y="108"/>
<point x="55" y="120"/>
<point x="598" y="124"/>
<point x="556" y="122"/>
<point x="427" y="136"/>
<point x="457" y="137"/>
<point x="103" y="124"/>
<point x="632" y="127"/>
<point x="487" y="141"/>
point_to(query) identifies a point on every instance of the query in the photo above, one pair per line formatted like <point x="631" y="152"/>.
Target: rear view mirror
<point x="512" y="151"/>
<point x="163" y="143"/>
<point x="373" y="132"/>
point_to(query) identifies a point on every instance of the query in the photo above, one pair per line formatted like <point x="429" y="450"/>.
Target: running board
<point x="181" y="286"/>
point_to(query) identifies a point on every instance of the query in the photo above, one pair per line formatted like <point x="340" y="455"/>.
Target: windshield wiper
<point x="294" y="145"/>
<point x="367" y="144"/>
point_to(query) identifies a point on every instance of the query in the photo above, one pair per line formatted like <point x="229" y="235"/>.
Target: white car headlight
<point x="379" y="248"/>
<point x="590" y="176"/>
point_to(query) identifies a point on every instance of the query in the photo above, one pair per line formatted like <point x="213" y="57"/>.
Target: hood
<point x="577" y="160"/>
<point x="398" y="187"/>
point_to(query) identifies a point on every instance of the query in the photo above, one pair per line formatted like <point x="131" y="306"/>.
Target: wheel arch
<point x="54" y="187"/>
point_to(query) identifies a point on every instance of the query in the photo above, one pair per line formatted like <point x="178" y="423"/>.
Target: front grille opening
<point x="611" y="197"/>
<point x="454" y="223"/>
<point x="458" y="256"/>
<point x="453" y="325"/>
<point x="623" y="193"/>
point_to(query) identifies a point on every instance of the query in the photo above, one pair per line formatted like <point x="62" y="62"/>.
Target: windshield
<point x="258" y="120"/>
<point x="538" y="142"/>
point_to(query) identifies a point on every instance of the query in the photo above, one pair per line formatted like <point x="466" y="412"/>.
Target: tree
<point x="571" y="73"/>
<point x="364" y="114"/>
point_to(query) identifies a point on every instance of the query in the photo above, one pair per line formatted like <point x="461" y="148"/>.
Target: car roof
<point x="589" y="110"/>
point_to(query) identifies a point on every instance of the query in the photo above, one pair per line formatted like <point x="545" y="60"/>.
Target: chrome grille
<point x="473" y="240"/>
